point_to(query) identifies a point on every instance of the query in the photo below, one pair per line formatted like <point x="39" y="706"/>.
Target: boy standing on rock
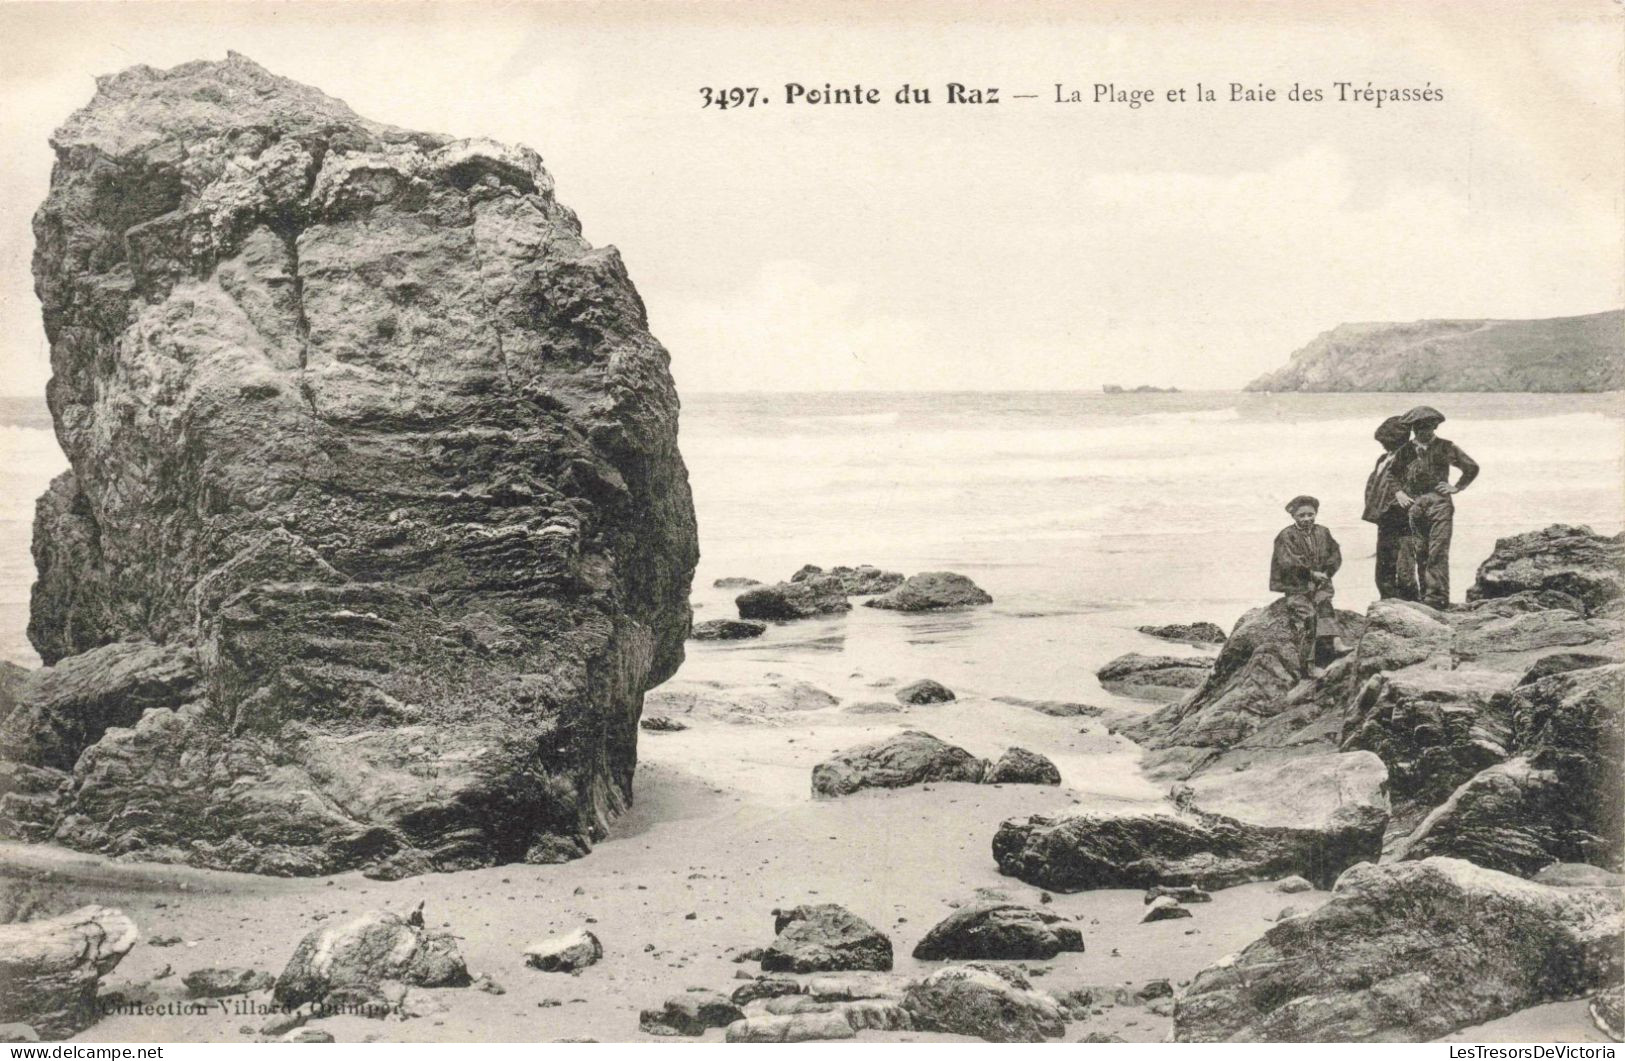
<point x="1424" y="491"/>
<point x="1306" y="557"/>
<point x="1396" y="555"/>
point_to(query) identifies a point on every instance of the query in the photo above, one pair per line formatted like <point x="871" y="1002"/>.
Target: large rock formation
<point x="375" y="500"/>
<point x="50" y="970"/>
<point x="1573" y="560"/>
<point x="1556" y="354"/>
<point x="1409" y="952"/>
<point x="1314" y="817"/>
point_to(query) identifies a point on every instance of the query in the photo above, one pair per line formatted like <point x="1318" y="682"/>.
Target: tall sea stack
<point x="376" y="530"/>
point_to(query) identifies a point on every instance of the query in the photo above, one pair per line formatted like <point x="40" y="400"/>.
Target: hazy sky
<point x="1025" y="245"/>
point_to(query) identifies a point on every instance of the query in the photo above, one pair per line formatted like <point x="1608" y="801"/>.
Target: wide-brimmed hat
<point x="1392" y="429"/>
<point x="1302" y="500"/>
<point x="1422" y="414"/>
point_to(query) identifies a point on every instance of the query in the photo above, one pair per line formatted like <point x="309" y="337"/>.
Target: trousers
<point x="1431" y="519"/>
<point x="1396" y="557"/>
<point x="1311" y="618"/>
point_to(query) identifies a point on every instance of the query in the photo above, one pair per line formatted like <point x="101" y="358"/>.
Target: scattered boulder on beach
<point x="1160" y="678"/>
<point x="931" y="591"/>
<point x="995" y="1003"/>
<point x="1181" y="893"/>
<point x="861" y="581"/>
<point x="1293" y="885"/>
<point x="791" y="1028"/>
<point x="1187" y="633"/>
<point x="1573" y="560"/>
<point x="355" y="956"/>
<point x="823" y="937"/>
<point x="1054" y="708"/>
<point x="727" y="630"/>
<point x="736" y="582"/>
<point x="924" y="691"/>
<point x="565" y="954"/>
<point x="1314" y="817"/>
<point x="908" y="758"/>
<point x="1164" y="908"/>
<point x="793" y="600"/>
<point x="765" y="987"/>
<point x="1409" y="951"/>
<point x="999" y="931"/>
<point x="873" y="707"/>
<point x="50" y="969"/>
<point x="690" y="1013"/>
<point x="221" y="982"/>
<point x="1018" y="766"/>
<point x="661" y="724"/>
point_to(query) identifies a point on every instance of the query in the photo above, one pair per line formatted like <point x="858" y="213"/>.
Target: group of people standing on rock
<point x="1408" y="497"/>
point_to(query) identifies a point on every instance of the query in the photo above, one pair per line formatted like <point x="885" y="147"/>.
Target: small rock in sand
<point x="218" y="983"/>
<point x="1018" y="766"/>
<point x="662" y="724"/>
<point x="690" y="1013"/>
<point x="1164" y="908"/>
<point x="765" y="987"/>
<point x="1184" y="893"/>
<point x="1154" y="989"/>
<point x="825" y="936"/>
<point x="308" y="1035"/>
<point x="924" y="691"/>
<point x="565" y="954"/>
<point x="1293" y="885"/>
<point x="727" y="630"/>
<point x="736" y="582"/>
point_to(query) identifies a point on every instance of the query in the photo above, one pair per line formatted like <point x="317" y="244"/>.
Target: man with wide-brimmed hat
<point x="1425" y="492"/>
<point x="1302" y="564"/>
<point x="1396" y="554"/>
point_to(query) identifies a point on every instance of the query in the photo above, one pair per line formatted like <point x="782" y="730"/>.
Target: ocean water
<point x="1083" y="514"/>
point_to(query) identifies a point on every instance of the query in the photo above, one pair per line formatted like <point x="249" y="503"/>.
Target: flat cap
<point x="1302" y="500"/>
<point x="1422" y="414"/>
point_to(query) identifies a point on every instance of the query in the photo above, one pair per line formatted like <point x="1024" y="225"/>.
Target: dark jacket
<point x="1382" y="484"/>
<point x="1296" y="554"/>
<point x="1423" y="472"/>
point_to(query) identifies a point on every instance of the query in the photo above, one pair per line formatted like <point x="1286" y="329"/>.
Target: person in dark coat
<point x="1306" y="557"/>
<point x="1396" y="553"/>
<point x="1425" y="492"/>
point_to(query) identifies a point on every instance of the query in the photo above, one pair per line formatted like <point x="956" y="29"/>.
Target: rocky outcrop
<point x="768" y="702"/>
<point x="727" y="630"/>
<point x="910" y="758"/>
<point x="861" y="581"/>
<point x="354" y="957"/>
<point x="1575" y="561"/>
<point x="999" y="930"/>
<point x="1409" y="951"/>
<point x="931" y="591"/>
<point x="1556" y="354"/>
<point x="1160" y="678"/>
<point x="50" y="970"/>
<point x="374" y="472"/>
<point x="806" y="599"/>
<point x="995" y="1003"/>
<point x="825" y="937"/>
<point x="1314" y="817"/>
<point x="1187" y="633"/>
<point x="1559" y="798"/>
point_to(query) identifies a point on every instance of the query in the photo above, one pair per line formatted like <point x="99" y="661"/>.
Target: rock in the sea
<point x="909" y="758"/>
<point x="50" y="969"/>
<point x="661" y="724"/>
<point x="1018" y="766"/>
<point x="727" y="630"/>
<point x="357" y="955"/>
<point x="924" y="691"/>
<point x="1164" y="908"/>
<point x="824" y="937"/>
<point x="1314" y="816"/>
<point x="793" y="600"/>
<point x="1576" y="561"/>
<point x="992" y="1002"/>
<point x="1559" y="799"/>
<point x="376" y="452"/>
<point x="230" y="980"/>
<point x="1409" y="951"/>
<point x="1161" y="678"/>
<point x="931" y="591"/>
<point x="565" y="954"/>
<point x="1188" y="633"/>
<point x="861" y="581"/>
<point x="690" y="1013"/>
<point x="999" y="930"/>
<point x="736" y="582"/>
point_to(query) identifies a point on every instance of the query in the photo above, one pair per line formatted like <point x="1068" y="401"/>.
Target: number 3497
<point x="723" y="98"/>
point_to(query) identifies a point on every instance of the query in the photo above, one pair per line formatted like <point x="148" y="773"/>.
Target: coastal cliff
<point x="375" y="530"/>
<point x="1558" y="355"/>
